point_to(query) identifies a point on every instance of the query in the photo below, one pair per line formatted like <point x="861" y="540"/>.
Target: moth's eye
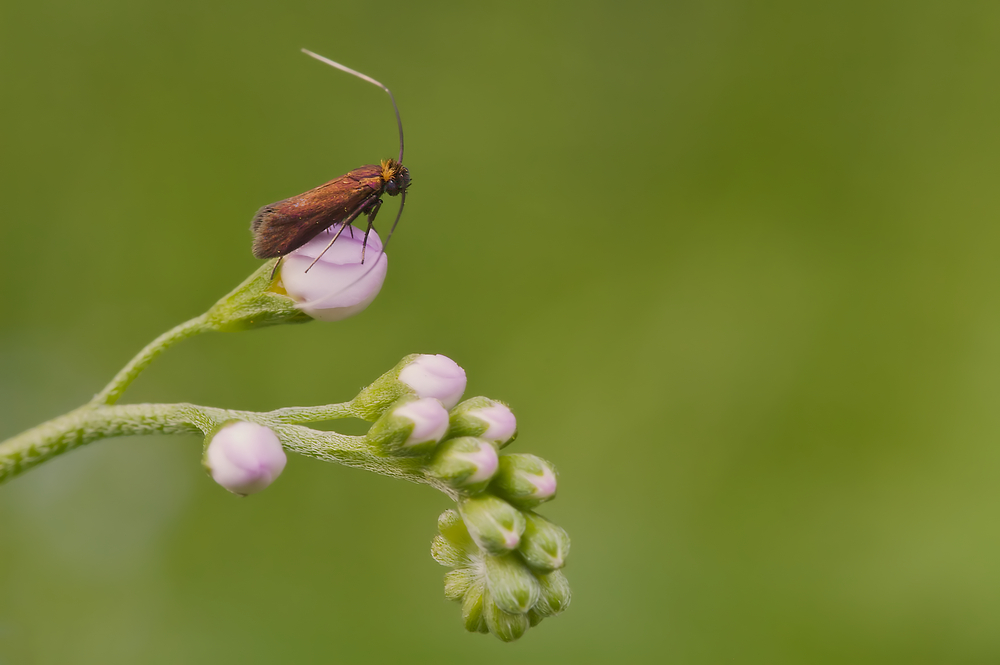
<point x="390" y="188"/>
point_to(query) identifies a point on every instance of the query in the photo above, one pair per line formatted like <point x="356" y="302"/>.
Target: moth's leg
<point x="371" y="225"/>
<point x="347" y="222"/>
<point x="328" y="232"/>
<point x="276" y="264"/>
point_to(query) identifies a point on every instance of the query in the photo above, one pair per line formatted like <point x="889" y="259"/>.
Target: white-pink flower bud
<point x="435" y="376"/>
<point x="338" y="285"/>
<point x="525" y="480"/>
<point x="484" y="418"/>
<point x="484" y="458"/>
<point x="429" y="418"/>
<point x="501" y="423"/>
<point x="545" y="484"/>
<point x="244" y="457"/>
<point x="466" y="463"/>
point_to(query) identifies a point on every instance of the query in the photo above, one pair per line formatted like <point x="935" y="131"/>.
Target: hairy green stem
<point x="312" y="414"/>
<point x="127" y="375"/>
<point x="92" y="422"/>
<point x="88" y="423"/>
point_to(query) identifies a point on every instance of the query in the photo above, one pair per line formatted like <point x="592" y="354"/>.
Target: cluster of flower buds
<point x="506" y="559"/>
<point x="508" y="586"/>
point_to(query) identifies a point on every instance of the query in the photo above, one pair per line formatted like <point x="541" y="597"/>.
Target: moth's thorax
<point x="395" y="176"/>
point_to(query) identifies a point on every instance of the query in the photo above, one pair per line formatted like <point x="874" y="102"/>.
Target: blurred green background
<point x="734" y="265"/>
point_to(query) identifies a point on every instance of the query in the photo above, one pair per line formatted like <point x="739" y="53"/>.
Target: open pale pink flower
<point x="338" y="285"/>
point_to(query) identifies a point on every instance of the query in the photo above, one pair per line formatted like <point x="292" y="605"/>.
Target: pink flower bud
<point x="525" y="480"/>
<point x="435" y="376"/>
<point x="500" y="420"/>
<point x="465" y="463"/>
<point x="429" y="418"/>
<point x="545" y="483"/>
<point x="244" y="457"/>
<point x="484" y="458"/>
<point x="338" y="285"/>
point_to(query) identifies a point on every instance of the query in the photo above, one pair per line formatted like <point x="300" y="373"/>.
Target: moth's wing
<point x="286" y="225"/>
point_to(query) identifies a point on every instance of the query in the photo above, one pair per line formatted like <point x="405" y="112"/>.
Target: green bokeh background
<point x="733" y="264"/>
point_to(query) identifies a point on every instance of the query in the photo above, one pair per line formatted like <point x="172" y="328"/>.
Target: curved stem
<point x="88" y="423"/>
<point x="127" y="374"/>
<point x="92" y="422"/>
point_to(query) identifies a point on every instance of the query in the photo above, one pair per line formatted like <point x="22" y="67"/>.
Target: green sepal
<point x="256" y="303"/>
<point x="513" y="479"/>
<point x="472" y="609"/>
<point x="507" y="627"/>
<point x="495" y="525"/>
<point x="453" y="529"/>
<point x="461" y="422"/>
<point x="389" y="434"/>
<point x="457" y="583"/>
<point x="450" y="464"/>
<point x="544" y="546"/>
<point x="512" y="586"/>
<point x="447" y="554"/>
<point x="374" y="400"/>
<point x="555" y="596"/>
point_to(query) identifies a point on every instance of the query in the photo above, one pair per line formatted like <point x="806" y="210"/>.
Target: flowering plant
<point x="505" y="558"/>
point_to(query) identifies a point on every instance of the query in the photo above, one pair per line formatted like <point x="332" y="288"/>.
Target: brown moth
<point x="281" y="227"/>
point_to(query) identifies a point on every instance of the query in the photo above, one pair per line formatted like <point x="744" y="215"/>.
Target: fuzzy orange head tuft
<point x="395" y="176"/>
<point x="390" y="169"/>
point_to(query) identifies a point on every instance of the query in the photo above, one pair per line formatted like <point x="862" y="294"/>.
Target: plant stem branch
<point x="127" y="374"/>
<point x="92" y="422"/>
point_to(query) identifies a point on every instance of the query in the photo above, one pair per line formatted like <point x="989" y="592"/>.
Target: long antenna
<point x="361" y="76"/>
<point x="402" y="202"/>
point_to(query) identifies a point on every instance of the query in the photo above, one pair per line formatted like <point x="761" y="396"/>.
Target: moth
<point x="282" y="227"/>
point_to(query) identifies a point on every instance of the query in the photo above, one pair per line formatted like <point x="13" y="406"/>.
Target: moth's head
<point x="395" y="175"/>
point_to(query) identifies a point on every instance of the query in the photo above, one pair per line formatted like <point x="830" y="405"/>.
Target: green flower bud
<point x="412" y="427"/>
<point x="544" y="546"/>
<point x="457" y="583"/>
<point x="447" y="554"/>
<point x="512" y="586"/>
<point x="524" y="480"/>
<point x="508" y="627"/>
<point x="485" y="418"/>
<point x="555" y="596"/>
<point x="494" y="524"/>
<point x="465" y="463"/>
<point x="416" y="375"/>
<point x="453" y="529"/>
<point x="472" y="609"/>
<point x="499" y="593"/>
